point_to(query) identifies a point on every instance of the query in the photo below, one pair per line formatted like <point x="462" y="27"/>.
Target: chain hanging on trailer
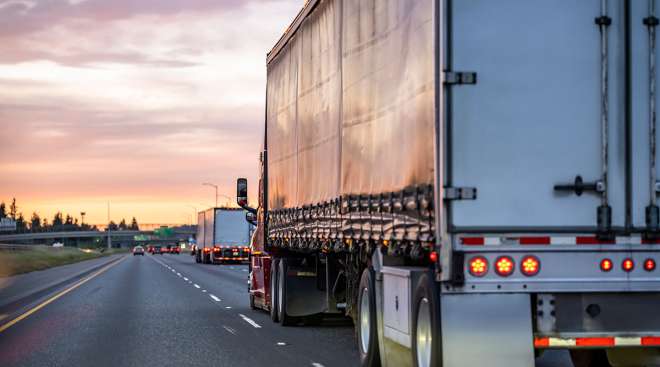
<point x="604" y="212"/>
<point x="652" y="211"/>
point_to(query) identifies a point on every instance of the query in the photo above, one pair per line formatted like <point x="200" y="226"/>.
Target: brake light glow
<point x="530" y="265"/>
<point x="478" y="266"/>
<point x="504" y="266"/>
<point x="606" y="265"/>
<point x="628" y="265"/>
<point x="433" y="256"/>
<point x="649" y="264"/>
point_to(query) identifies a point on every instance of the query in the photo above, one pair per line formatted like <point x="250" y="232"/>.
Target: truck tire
<point x="274" y="315"/>
<point x="426" y="324"/>
<point x="589" y="358"/>
<point x="285" y="320"/>
<point x="366" y="326"/>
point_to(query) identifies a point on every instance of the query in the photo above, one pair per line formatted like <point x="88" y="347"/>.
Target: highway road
<point x="168" y="311"/>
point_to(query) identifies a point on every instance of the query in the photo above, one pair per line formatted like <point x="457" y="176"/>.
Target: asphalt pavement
<point x="169" y="311"/>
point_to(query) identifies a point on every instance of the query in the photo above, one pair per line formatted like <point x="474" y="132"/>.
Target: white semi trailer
<point x="473" y="181"/>
<point x="223" y="235"/>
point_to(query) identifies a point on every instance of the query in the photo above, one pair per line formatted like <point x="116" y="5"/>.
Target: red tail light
<point x="530" y="265"/>
<point x="649" y="264"/>
<point x="478" y="266"/>
<point x="628" y="265"/>
<point x="504" y="266"/>
<point x="433" y="256"/>
<point x="606" y="265"/>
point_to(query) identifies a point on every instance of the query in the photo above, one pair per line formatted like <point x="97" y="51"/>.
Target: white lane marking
<point x="196" y="286"/>
<point x="203" y="290"/>
<point x="173" y="271"/>
<point x="249" y="321"/>
<point x="228" y="307"/>
<point x="316" y="364"/>
<point x="214" y="298"/>
<point x="186" y="279"/>
<point x="230" y="330"/>
<point x="281" y="343"/>
<point x="178" y="274"/>
<point x="244" y="269"/>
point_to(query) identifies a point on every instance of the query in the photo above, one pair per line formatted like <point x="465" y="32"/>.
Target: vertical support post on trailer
<point x="604" y="212"/>
<point x="652" y="211"/>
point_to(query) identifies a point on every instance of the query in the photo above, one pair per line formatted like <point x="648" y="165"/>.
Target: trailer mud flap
<point x="302" y="295"/>
<point x="487" y="328"/>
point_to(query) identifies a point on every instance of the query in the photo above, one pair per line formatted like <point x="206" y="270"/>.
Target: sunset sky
<point x="135" y="102"/>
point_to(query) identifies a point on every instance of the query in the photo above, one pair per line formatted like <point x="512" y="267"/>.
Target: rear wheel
<point x="285" y="319"/>
<point x="426" y="324"/>
<point x="274" y="315"/>
<point x="589" y="358"/>
<point x="366" y="326"/>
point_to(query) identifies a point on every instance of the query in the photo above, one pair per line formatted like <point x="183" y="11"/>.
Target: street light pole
<point x="108" y="229"/>
<point x="216" y="191"/>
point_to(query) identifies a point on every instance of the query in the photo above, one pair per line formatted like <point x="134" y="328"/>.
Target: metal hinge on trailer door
<point x="459" y="77"/>
<point x="460" y="193"/>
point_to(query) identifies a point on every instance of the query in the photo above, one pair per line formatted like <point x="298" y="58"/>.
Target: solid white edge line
<point x="249" y="321"/>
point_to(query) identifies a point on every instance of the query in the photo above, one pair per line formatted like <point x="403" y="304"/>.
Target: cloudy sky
<point x="135" y="102"/>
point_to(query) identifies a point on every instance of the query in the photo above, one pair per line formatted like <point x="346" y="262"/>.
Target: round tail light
<point x="530" y="265"/>
<point x="504" y="266"/>
<point x="606" y="265"/>
<point x="478" y="266"/>
<point x="649" y="264"/>
<point x="628" y="265"/>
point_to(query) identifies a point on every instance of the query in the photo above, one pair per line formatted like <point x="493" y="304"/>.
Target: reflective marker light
<point x="606" y="265"/>
<point x="478" y="266"/>
<point x="530" y="265"/>
<point x="649" y="264"/>
<point x="628" y="265"/>
<point x="504" y="266"/>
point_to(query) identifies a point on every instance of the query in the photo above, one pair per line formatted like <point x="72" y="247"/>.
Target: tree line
<point x="59" y="223"/>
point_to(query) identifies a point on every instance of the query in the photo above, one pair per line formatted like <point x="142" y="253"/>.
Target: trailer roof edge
<point x="291" y="30"/>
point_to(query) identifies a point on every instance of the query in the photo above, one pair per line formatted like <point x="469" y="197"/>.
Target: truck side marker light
<point x="628" y="265"/>
<point x="433" y="256"/>
<point x="478" y="266"/>
<point x="504" y="266"/>
<point x="606" y="265"/>
<point x="530" y="265"/>
<point x="649" y="264"/>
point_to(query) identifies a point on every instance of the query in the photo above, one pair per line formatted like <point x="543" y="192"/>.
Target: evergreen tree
<point x="35" y="222"/>
<point x="112" y="226"/>
<point x="13" y="209"/>
<point x="3" y="210"/>
<point x="45" y="224"/>
<point x="134" y="225"/>
<point x="122" y="225"/>
<point x="21" y="226"/>
<point x="58" y="221"/>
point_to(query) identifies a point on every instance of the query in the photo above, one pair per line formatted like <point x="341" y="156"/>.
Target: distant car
<point x="58" y="244"/>
<point x="157" y="250"/>
<point x="165" y="250"/>
<point x="138" y="250"/>
<point x="175" y="250"/>
<point x="150" y="249"/>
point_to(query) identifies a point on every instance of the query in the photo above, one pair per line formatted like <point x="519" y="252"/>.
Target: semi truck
<point x="223" y="235"/>
<point x="472" y="182"/>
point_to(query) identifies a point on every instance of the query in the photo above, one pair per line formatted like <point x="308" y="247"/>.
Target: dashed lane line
<point x="197" y="286"/>
<point x="214" y="298"/>
<point x="249" y="321"/>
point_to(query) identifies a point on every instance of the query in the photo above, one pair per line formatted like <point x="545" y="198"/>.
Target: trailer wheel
<point x="285" y="320"/>
<point x="274" y="315"/>
<point x="366" y="325"/>
<point x="589" y="358"/>
<point x="425" y="324"/>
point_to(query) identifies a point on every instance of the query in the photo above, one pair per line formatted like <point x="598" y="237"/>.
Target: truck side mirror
<point x="251" y="218"/>
<point x="242" y="192"/>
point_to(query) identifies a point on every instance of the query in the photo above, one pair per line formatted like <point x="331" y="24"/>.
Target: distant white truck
<point x="222" y="235"/>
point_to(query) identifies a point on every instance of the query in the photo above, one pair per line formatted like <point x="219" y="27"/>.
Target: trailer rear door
<point x="533" y="119"/>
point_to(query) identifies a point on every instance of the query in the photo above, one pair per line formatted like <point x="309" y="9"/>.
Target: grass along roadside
<point x="44" y="257"/>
